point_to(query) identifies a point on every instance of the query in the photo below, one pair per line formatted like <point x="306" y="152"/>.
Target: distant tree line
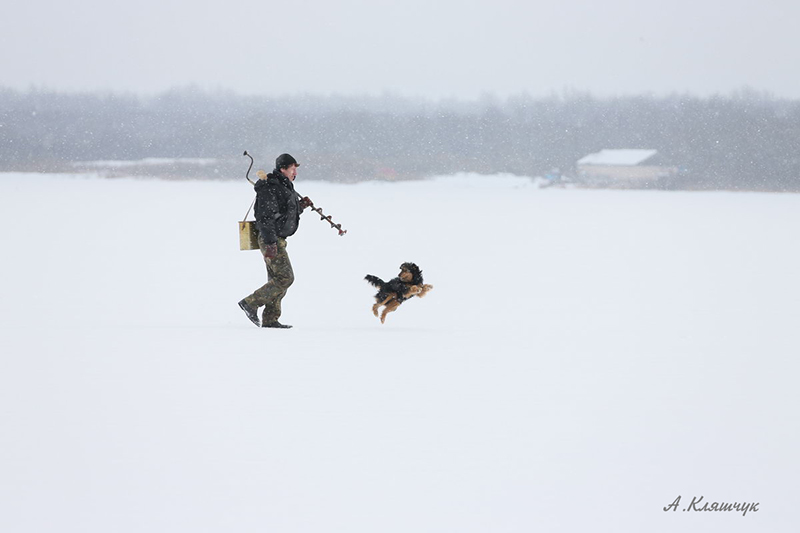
<point x="744" y="141"/>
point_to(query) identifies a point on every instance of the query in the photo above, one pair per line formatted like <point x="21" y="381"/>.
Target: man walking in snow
<point x="277" y="213"/>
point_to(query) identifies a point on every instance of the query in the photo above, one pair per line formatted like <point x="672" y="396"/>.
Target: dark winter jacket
<point x="277" y="208"/>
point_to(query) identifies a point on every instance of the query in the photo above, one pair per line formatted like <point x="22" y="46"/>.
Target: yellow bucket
<point x="248" y="235"/>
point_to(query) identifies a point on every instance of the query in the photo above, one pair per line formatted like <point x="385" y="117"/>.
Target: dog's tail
<point x="374" y="280"/>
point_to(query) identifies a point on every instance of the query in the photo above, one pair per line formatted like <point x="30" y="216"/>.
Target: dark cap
<point x="285" y="161"/>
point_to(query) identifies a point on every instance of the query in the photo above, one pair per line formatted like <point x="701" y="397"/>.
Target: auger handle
<point x="247" y="174"/>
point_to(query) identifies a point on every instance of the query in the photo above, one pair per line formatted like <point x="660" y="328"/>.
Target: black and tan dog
<point x="396" y="291"/>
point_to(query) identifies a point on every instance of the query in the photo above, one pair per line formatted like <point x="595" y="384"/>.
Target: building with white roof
<point x="624" y="167"/>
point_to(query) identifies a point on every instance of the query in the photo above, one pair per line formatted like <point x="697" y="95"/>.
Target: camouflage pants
<point x="279" y="277"/>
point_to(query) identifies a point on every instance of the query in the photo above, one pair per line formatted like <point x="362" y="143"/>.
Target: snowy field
<point x="585" y="358"/>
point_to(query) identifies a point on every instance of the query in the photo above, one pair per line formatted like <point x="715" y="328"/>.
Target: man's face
<point x="290" y="172"/>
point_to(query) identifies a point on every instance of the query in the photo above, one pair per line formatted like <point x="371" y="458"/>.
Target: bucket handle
<point x="248" y="209"/>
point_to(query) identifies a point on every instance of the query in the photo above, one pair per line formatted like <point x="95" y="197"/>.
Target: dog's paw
<point x="375" y="309"/>
<point x="424" y="290"/>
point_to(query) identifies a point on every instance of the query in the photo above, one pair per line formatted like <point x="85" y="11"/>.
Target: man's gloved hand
<point x="271" y="250"/>
<point x="306" y="202"/>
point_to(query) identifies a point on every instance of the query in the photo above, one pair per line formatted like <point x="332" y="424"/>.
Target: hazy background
<point x="398" y="90"/>
<point x="435" y="49"/>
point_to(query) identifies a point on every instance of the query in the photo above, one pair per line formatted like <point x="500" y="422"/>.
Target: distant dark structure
<point x="747" y="141"/>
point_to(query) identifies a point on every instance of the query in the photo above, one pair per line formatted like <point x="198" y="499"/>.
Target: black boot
<point x="250" y="311"/>
<point x="276" y="324"/>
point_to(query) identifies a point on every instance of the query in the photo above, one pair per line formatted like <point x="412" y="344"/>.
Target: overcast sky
<point x="435" y="49"/>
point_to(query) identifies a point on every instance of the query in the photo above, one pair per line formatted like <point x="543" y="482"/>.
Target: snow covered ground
<point x="585" y="358"/>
